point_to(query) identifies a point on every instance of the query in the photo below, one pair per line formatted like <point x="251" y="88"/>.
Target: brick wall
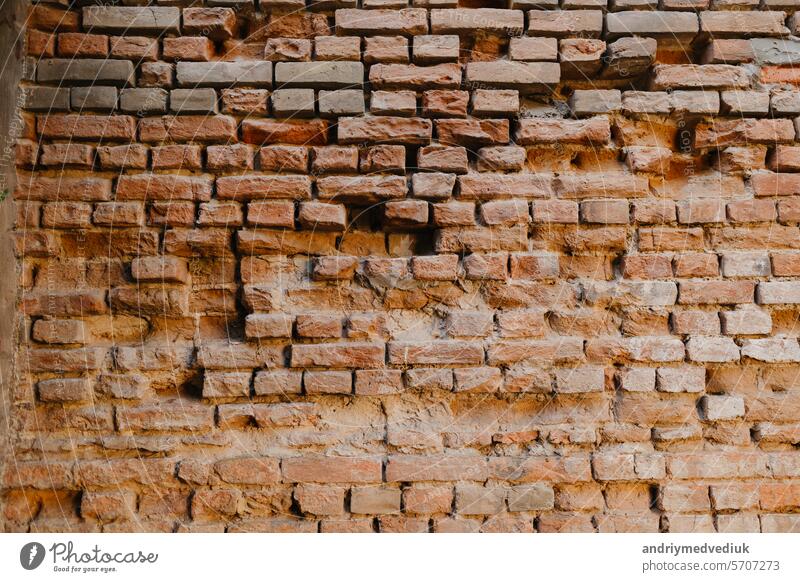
<point x="365" y="266"/>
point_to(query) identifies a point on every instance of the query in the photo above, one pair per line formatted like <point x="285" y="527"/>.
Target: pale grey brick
<point x="525" y="77"/>
<point x="225" y="74"/>
<point x="531" y="497"/>
<point x="775" y="51"/>
<point x="320" y="75"/>
<point x="193" y="101"/>
<point x="88" y="71"/>
<point x="429" y="50"/>
<point x="745" y="103"/>
<point x="248" y="5"/>
<point x="591" y="101"/>
<point x="475" y="499"/>
<point x="722" y="407"/>
<point x="131" y="19"/>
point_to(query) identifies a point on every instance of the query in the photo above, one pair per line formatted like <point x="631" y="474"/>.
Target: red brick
<point x="319" y="469"/>
<point x="81" y="45"/>
<point x="699" y="77"/>
<point x="88" y="127"/>
<point x="320" y="499"/>
<point x="176" y="157"/>
<point x="182" y="128"/>
<point x="249" y="187"/>
<point x="214" y="23"/>
<point x="442" y="352"/>
<point x="736" y="131"/>
<point x="723" y="292"/>
<point x="398" y="130"/>
<point x="209" y="505"/>
<point x="342" y="355"/>
<point x="249" y="470"/>
<point x="269" y="131"/>
<point x="409" y="21"/>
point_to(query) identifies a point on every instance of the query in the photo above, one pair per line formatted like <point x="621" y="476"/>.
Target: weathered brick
<point x="397" y="130"/>
<point x="208" y="505"/>
<point x="47" y="99"/>
<point x="321" y="469"/>
<point x="700" y="77"/>
<point x="224" y="74"/>
<point x="96" y="98"/>
<point x="580" y="57"/>
<point x="443" y="352"/>
<point x="65" y="390"/>
<point x="226" y="384"/>
<point x="494" y="103"/>
<point x="773" y="350"/>
<point x="88" y="127"/>
<point x="331" y="48"/>
<point x="579" y="23"/>
<point x="436" y="468"/>
<point x="429" y="50"/>
<point x="188" y="48"/>
<point x="408" y="21"/>
<point x="361" y="188"/>
<point x="343" y="355"/>
<point x="385" y="49"/>
<point x="472" y="132"/>
<point x="734" y="24"/>
<point x="166" y="416"/>
<point x="255" y="186"/>
<point x="672" y="25"/>
<point x="525" y="77"/>
<point x="716" y="292"/>
<point x="527" y="48"/>
<point x="466" y="21"/>
<point x="488" y="186"/>
<point x="85" y="71"/>
<point x="711" y="349"/>
<point x="731" y="132"/>
<point x="322" y="75"/>
<point x="125" y="19"/>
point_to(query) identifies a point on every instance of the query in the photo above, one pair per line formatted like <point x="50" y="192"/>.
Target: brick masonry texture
<point x="408" y="265"/>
